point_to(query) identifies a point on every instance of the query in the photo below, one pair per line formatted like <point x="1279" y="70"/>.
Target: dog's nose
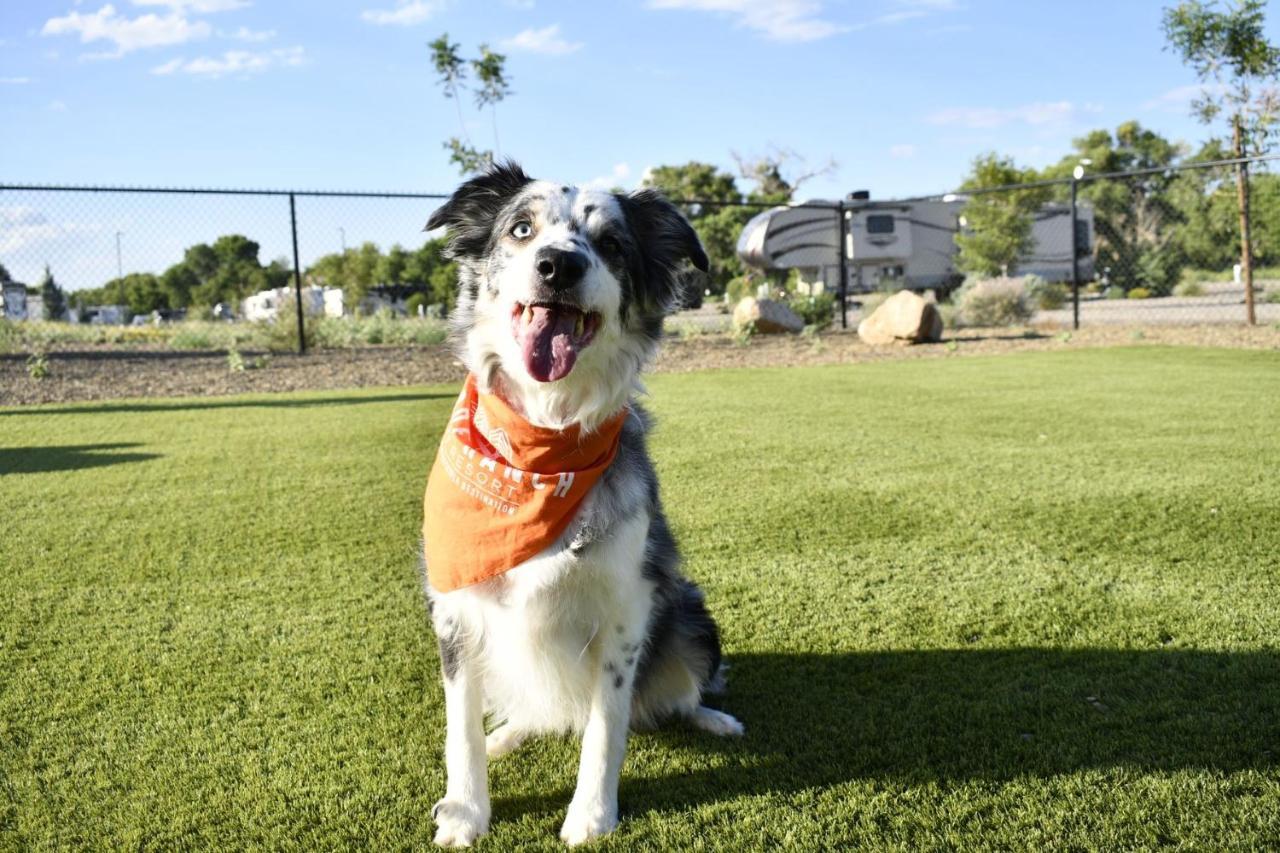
<point x="560" y="269"/>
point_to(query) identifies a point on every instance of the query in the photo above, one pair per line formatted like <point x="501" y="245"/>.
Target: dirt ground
<point x="104" y="373"/>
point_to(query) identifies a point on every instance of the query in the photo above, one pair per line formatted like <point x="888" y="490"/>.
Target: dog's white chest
<point x="539" y="633"/>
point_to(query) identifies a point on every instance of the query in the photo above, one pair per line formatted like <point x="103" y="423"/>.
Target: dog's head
<point x="563" y="290"/>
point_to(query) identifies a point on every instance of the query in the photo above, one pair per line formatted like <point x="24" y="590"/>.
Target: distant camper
<point x="909" y="244"/>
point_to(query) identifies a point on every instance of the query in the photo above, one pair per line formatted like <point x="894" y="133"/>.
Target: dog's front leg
<point x="463" y="815"/>
<point x="594" y="809"/>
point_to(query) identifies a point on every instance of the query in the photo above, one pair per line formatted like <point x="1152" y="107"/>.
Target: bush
<point x="1115" y="291"/>
<point x="1045" y="295"/>
<point x="992" y="302"/>
<point x="741" y="287"/>
<point x="1188" y="287"/>
<point x="414" y="302"/>
<point x="816" y="311"/>
<point x="1272" y="297"/>
<point x="1140" y="293"/>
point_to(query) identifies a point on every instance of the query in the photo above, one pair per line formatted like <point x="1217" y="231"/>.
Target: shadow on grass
<point x="37" y="460"/>
<point x="914" y="717"/>
<point x="90" y="408"/>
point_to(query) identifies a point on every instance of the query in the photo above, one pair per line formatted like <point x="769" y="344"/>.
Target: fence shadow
<point x="91" y="408"/>
<point x="72" y="457"/>
<point x="917" y="717"/>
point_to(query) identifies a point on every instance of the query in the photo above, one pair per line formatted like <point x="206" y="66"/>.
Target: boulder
<point x="904" y="318"/>
<point x="768" y="316"/>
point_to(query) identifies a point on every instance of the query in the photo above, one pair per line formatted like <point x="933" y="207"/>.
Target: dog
<point x="562" y="293"/>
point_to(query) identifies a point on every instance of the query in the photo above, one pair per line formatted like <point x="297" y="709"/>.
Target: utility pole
<point x="119" y="258"/>
<point x="342" y="235"/>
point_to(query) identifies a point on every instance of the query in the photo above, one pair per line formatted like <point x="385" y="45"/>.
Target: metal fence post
<point x="1075" y="259"/>
<point x="844" y="265"/>
<point x="297" y="276"/>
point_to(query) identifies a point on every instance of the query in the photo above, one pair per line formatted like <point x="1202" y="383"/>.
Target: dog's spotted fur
<point x="599" y="632"/>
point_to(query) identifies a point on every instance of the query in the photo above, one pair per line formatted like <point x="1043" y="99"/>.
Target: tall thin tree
<point x="1226" y="46"/>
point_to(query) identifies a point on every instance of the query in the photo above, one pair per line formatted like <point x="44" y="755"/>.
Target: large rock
<point x="768" y="316"/>
<point x="904" y="318"/>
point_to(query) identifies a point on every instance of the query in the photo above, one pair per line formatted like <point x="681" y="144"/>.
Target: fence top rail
<point x="279" y="193"/>
<point x="815" y="204"/>
<point x="88" y="188"/>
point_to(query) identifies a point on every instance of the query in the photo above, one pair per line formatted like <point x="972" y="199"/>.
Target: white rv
<point x="907" y="244"/>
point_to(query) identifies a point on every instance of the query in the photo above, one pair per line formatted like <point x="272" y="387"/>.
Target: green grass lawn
<point x="1021" y="601"/>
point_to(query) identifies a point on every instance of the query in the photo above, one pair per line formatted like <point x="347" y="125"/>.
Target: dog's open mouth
<point x="551" y="335"/>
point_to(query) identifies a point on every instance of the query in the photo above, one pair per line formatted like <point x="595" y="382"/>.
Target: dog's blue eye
<point x="521" y="230"/>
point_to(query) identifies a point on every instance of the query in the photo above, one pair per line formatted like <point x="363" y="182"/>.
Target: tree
<point x="767" y="173"/>
<point x="5" y="278"/>
<point x="997" y="225"/>
<point x="55" y="300"/>
<point x="451" y="71"/>
<point x="718" y="224"/>
<point x="1228" y="50"/>
<point x="1135" y="218"/>
<point x="494" y="87"/>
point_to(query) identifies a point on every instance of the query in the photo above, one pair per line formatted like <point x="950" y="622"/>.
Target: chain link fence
<point x="1157" y="246"/>
<point x="1147" y="247"/>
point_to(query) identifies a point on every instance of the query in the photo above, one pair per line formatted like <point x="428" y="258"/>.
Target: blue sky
<point x="902" y="94"/>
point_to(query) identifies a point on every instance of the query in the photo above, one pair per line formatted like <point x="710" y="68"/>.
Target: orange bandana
<point x="502" y="489"/>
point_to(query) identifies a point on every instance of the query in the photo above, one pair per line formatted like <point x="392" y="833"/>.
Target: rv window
<point x="880" y="224"/>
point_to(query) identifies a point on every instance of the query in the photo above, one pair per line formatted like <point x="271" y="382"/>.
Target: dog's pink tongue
<point x="547" y="343"/>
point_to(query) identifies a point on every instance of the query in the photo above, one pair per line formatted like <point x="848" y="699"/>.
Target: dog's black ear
<point x="666" y="241"/>
<point x="470" y="211"/>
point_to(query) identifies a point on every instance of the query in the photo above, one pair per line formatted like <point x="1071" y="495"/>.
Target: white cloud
<point x="545" y="41"/>
<point x="902" y="152"/>
<point x="779" y="20"/>
<point x="405" y="14"/>
<point x="1037" y="114"/>
<point x="242" y="62"/>
<point x="14" y="81"/>
<point x="126" y="34"/>
<point x="198" y="7"/>
<point x="246" y="34"/>
<point x="1179" y="99"/>
<point x="616" y="178"/>
<point x="22" y="227"/>
<point x="57" y="107"/>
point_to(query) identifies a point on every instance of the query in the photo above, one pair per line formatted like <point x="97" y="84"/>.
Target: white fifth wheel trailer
<point x="908" y="244"/>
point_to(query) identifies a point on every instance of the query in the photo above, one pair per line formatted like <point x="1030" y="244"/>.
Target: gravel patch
<point x="105" y="373"/>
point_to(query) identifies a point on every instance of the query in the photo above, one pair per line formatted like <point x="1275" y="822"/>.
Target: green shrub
<point x="1115" y="291"/>
<point x="194" y="337"/>
<point x="1272" y="297"/>
<point x="38" y="366"/>
<point x="993" y="302"/>
<point x="1045" y="295"/>
<point x="1188" y="287"/>
<point x="414" y="302"/>
<point x="1140" y="293"/>
<point x="814" y="310"/>
<point x="741" y="287"/>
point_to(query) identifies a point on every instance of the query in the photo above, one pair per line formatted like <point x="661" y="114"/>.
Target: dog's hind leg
<point x="504" y="739"/>
<point x="716" y="722"/>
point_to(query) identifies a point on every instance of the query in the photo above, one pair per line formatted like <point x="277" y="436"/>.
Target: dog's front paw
<point x="584" y="823"/>
<point x="458" y="824"/>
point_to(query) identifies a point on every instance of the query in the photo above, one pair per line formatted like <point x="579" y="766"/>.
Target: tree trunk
<point x="1242" y="197"/>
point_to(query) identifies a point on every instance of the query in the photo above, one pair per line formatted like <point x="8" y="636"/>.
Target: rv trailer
<point x="909" y="244"/>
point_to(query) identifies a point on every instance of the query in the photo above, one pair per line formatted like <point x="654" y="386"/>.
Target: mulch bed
<point x="107" y="372"/>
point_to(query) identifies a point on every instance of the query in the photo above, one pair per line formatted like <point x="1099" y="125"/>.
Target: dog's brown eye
<point x="521" y="230"/>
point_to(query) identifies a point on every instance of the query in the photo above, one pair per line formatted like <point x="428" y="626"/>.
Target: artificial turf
<point x="1010" y="602"/>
